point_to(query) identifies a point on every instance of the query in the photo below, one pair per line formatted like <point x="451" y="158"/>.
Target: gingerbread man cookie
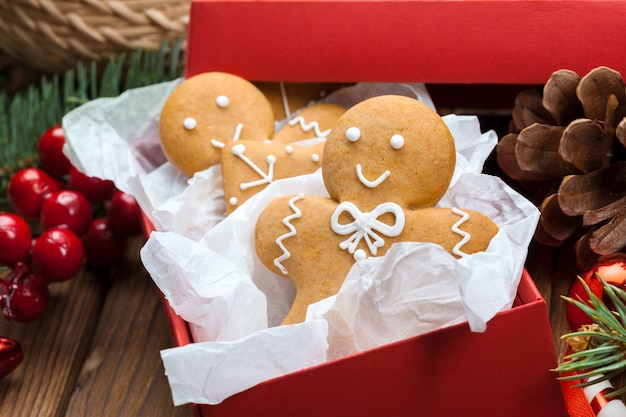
<point x="386" y="164"/>
<point x="249" y="166"/>
<point x="207" y="111"/>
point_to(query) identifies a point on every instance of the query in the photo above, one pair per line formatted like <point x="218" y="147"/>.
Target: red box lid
<point x="433" y="41"/>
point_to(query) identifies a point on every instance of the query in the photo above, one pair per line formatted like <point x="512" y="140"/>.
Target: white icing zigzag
<point x="455" y="228"/>
<point x="292" y="232"/>
<point x="310" y="126"/>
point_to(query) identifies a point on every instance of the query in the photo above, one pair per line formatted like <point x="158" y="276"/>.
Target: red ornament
<point x="611" y="269"/>
<point x="10" y="355"/>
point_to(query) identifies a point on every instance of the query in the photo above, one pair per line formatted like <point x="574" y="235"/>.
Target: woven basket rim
<point x="55" y="35"/>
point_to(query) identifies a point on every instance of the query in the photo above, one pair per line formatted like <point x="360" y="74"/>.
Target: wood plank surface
<point x="96" y="351"/>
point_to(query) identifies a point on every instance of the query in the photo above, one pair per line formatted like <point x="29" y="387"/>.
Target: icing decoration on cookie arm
<point x="456" y="229"/>
<point x="292" y="232"/>
<point x="307" y="127"/>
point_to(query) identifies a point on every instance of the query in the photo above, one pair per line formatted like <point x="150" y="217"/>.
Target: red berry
<point x="94" y="189"/>
<point x="27" y="189"/>
<point x="57" y="254"/>
<point x="103" y="247"/>
<point x="124" y="214"/>
<point x="15" y="238"/>
<point x="50" y="151"/>
<point x="25" y="297"/>
<point x="67" y="208"/>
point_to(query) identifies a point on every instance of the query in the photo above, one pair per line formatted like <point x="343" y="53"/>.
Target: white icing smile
<point x="371" y="184"/>
<point x="219" y="144"/>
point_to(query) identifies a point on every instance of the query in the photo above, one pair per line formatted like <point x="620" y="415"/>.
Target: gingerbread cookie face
<point x="315" y="240"/>
<point x="388" y="148"/>
<point x="315" y="121"/>
<point x="249" y="166"/>
<point x="205" y="112"/>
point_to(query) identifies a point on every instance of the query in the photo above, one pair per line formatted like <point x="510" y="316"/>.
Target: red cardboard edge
<point x="431" y="41"/>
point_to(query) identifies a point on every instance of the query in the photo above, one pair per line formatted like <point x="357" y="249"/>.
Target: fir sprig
<point x="25" y="115"/>
<point x="598" y="350"/>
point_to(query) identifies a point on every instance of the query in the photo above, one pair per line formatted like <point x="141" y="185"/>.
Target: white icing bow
<point x="365" y="225"/>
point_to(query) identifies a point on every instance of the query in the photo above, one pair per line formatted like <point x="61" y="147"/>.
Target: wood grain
<point x="95" y="352"/>
<point x="122" y="374"/>
<point x="52" y="345"/>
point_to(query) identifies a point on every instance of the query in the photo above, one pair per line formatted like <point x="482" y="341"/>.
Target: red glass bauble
<point x="10" y="355"/>
<point x="610" y="268"/>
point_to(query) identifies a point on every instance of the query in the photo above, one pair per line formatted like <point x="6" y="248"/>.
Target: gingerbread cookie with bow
<point x="386" y="164"/>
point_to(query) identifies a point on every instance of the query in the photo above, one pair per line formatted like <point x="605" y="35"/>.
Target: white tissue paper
<point x="206" y="266"/>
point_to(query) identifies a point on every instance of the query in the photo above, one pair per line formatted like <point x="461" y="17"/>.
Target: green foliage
<point x="604" y="352"/>
<point x="25" y="115"/>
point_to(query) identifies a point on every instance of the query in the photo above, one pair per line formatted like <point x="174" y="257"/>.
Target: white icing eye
<point x="288" y="150"/>
<point x="233" y="201"/>
<point x="353" y="134"/>
<point x="315" y="157"/>
<point x="238" y="149"/>
<point x="190" y="123"/>
<point x="222" y="101"/>
<point x="397" y="141"/>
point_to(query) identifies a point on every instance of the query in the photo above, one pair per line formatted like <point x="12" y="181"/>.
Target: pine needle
<point x="26" y="115"/>
<point x="605" y="351"/>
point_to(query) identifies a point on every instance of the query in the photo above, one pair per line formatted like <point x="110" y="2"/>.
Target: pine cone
<point x="567" y="150"/>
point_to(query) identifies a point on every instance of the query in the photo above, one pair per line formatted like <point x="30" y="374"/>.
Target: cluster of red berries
<point x="63" y="205"/>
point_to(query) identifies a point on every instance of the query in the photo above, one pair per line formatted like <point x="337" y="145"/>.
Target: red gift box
<point x="504" y="371"/>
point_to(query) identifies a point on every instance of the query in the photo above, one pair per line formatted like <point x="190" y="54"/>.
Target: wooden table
<point x="95" y="352"/>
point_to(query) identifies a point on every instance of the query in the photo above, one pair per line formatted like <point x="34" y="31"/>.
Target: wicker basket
<point x="54" y="35"/>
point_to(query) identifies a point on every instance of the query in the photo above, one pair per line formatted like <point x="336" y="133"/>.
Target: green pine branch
<point x="25" y="115"/>
<point x="604" y="351"/>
